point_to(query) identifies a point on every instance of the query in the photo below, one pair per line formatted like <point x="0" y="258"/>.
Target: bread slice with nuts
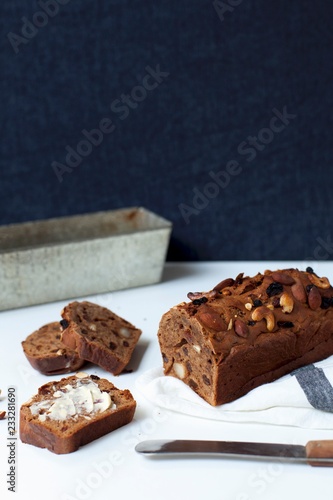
<point x="99" y="335"/>
<point x="74" y="411"/>
<point x="48" y="354"/>
<point x="248" y="331"/>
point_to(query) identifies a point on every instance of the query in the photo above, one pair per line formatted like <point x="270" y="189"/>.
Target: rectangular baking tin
<point x="80" y="255"/>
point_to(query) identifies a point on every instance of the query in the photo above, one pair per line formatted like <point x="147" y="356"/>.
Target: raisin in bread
<point x="46" y="352"/>
<point x="74" y="411"/>
<point x="248" y="331"/>
<point x="99" y="335"/>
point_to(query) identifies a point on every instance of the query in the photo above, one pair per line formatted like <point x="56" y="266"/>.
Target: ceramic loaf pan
<point x="80" y="255"/>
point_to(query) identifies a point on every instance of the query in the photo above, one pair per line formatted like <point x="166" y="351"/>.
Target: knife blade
<point x="316" y="453"/>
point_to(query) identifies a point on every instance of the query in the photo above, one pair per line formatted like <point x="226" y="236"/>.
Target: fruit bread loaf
<point x="46" y="352"/>
<point x="74" y="411"/>
<point x="247" y="331"/>
<point x="99" y="335"/>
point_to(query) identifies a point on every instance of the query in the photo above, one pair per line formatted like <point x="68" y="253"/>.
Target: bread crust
<point x="48" y="354"/>
<point x="247" y="332"/>
<point x="67" y="436"/>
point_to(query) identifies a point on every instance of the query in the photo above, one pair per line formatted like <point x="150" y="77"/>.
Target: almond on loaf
<point x="74" y="411"/>
<point x="247" y="331"/>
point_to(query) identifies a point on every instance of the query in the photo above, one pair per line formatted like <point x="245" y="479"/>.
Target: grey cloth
<point x="316" y="387"/>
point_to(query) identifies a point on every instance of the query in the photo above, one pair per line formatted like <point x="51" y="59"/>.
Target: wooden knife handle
<point x="320" y="453"/>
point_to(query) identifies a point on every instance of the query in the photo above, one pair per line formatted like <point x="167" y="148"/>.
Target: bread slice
<point x="48" y="354"/>
<point x="74" y="411"/>
<point x="99" y="335"/>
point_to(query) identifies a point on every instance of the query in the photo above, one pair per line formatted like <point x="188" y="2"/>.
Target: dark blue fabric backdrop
<point x="216" y="115"/>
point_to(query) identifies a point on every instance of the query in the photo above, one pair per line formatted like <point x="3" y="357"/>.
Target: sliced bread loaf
<point x="48" y="354"/>
<point x="99" y="335"/>
<point x="74" y="411"/>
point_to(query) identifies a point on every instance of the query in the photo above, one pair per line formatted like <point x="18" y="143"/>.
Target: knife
<point x="315" y="453"/>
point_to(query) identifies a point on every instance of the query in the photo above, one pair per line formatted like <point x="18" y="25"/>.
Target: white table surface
<point x="109" y="467"/>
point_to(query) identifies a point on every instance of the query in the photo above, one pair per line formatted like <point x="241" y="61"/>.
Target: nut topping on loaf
<point x="248" y="331"/>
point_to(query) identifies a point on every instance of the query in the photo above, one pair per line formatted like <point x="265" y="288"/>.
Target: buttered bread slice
<point x="74" y="411"/>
